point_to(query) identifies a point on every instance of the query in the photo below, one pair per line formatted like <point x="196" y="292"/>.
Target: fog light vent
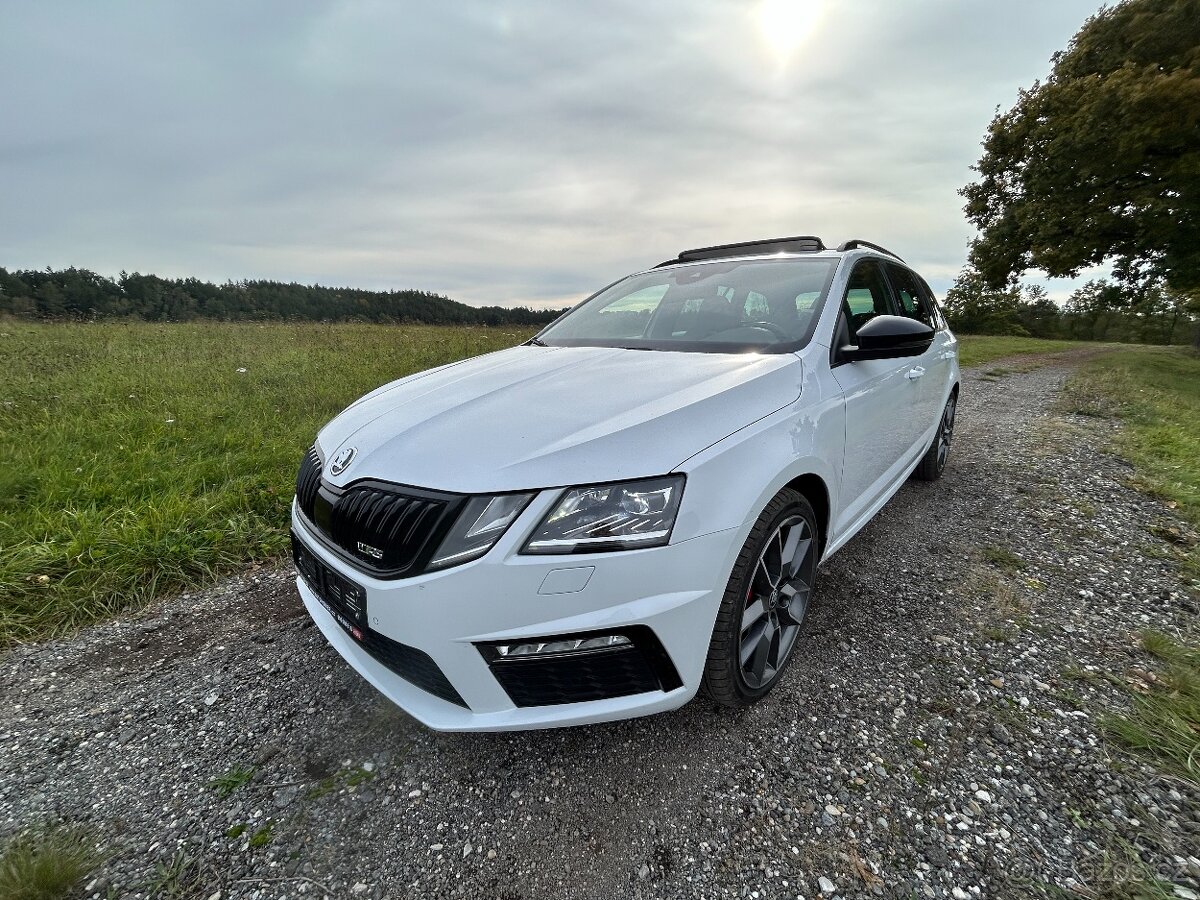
<point x="576" y="668"/>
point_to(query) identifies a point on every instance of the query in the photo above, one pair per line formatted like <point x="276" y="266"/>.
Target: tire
<point x="732" y="678"/>
<point x="933" y="463"/>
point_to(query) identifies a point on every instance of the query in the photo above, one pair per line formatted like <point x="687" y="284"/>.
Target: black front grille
<point x="395" y="527"/>
<point x="579" y="676"/>
<point x="308" y="480"/>
<point x="387" y="530"/>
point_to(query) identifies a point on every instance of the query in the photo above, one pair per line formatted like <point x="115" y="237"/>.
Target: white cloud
<point x="510" y="153"/>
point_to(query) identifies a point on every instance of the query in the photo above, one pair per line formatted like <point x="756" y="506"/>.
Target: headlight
<point x="601" y="517"/>
<point x="478" y="527"/>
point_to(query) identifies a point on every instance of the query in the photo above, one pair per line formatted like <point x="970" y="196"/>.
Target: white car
<point x="631" y="507"/>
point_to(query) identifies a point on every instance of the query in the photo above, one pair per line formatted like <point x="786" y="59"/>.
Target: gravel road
<point x="933" y="737"/>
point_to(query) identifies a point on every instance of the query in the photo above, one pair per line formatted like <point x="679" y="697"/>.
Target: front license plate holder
<point x="345" y="600"/>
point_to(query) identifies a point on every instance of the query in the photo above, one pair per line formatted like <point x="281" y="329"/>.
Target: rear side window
<point x="938" y="316"/>
<point x="911" y="293"/>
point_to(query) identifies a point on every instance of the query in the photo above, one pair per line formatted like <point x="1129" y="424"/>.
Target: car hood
<point x="535" y="417"/>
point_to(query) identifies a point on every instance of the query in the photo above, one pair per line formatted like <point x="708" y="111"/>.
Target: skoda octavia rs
<point x="632" y="506"/>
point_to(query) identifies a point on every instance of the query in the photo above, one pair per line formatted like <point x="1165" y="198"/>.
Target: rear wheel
<point x="933" y="463"/>
<point x="765" y="603"/>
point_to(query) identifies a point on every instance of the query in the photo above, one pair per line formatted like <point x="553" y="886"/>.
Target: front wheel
<point x="765" y="603"/>
<point x="933" y="463"/>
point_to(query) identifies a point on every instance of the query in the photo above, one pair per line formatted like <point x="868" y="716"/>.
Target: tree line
<point x="1100" y="310"/>
<point x="81" y="295"/>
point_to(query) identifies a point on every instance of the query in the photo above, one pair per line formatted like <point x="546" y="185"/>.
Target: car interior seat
<point x="784" y="315"/>
<point x="714" y="315"/>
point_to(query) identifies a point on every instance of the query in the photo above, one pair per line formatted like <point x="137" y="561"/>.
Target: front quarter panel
<point x="732" y="481"/>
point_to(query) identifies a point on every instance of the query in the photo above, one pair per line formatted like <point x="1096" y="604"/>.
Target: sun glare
<point x="785" y="25"/>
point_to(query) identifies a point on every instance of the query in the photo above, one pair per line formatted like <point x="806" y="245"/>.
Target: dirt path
<point x="933" y="738"/>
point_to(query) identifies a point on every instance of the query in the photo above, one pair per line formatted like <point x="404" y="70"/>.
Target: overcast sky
<point x="514" y="153"/>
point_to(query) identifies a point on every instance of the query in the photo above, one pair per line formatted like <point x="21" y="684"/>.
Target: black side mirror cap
<point x="889" y="337"/>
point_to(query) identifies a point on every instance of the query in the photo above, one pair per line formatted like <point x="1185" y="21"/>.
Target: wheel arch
<point x="816" y="492"/>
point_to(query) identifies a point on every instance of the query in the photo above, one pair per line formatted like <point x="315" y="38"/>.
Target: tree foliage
<point x="1100" y="310"/>
<point x="1102" y="161"/>
<point x="83" y="295"/>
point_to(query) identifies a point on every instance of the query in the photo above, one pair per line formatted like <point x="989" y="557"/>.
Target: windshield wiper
<point x="536" y="342"/>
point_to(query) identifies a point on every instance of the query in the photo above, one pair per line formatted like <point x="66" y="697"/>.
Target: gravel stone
<point x="936" y="735"/>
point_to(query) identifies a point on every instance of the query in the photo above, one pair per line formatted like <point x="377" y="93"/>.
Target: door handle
<point x="914" y="373"/>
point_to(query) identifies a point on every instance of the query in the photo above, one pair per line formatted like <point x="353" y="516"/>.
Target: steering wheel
<point x="773" y="328"/>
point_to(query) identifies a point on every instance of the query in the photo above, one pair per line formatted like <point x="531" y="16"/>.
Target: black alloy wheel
<point x="933" y="463"/>
<point x="765" y="602"/>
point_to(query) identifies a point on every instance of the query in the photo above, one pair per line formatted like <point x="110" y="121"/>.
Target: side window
<point x="866" y="297"/>
<point x="911" y="294"/>
<point x="938" y="316"/>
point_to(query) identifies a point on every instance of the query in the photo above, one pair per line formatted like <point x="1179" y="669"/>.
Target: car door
<point x="930" y="371"/>
<point x="877" y="395"/>
<point x="945" y="344"/>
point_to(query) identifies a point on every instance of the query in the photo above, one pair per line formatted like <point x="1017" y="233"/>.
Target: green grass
<point x="183" y="877"/>
<point x="977" y="349"/>
<point x="237" y="776"/>
<point x="1003" y="558"/>
<point x="334" y="782"/>
<point x="1164" y="724"/>
<point x="262" y="836"/>
<point x="1156" y="392"/>
<point x="139" y="460"/>
<point x="45" y="864"/>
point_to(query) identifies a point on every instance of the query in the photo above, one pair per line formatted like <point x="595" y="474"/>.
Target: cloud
<point x="521" y="152"/>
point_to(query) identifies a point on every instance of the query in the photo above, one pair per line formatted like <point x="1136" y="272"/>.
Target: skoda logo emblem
<point x="342" y="460"/>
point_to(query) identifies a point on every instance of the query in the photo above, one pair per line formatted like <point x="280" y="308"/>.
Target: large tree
<point x="1102" y="161"/>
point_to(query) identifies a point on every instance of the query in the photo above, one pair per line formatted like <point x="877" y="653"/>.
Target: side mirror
<point x="889" y="337"/>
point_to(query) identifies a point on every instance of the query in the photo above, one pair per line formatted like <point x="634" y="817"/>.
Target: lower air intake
<point x="637" y="666"/>
<point x="413" y="665"/>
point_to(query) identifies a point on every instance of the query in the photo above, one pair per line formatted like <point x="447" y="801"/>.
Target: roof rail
<point x="801" y="244"/>
<point x="855" y="243"/>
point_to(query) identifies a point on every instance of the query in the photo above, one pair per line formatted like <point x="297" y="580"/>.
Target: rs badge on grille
<point x="368" y="550"/>
<point x="342" y="460"/>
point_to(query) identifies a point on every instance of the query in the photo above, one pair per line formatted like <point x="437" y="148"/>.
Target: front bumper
<point x="674" y="591"/>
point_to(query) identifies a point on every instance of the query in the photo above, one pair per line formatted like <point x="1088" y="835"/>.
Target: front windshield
<point x="726" y="306"/>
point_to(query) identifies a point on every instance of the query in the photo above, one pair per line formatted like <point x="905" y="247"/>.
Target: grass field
<point x="975" y="350"/>
<point x="142" y="458"/>
<point x="1156" y="392"/>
